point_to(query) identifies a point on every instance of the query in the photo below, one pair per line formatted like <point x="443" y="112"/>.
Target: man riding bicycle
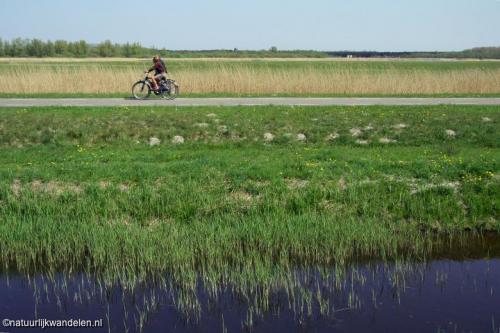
<point x="160" y="71"/>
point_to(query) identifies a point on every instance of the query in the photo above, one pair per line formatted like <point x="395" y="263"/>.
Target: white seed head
<point x="332" y="136"/>
<point x="450" y="133"/>
<point x="176" y="140"/>
<point x="400" y="126"/>
<point x="268" y="137"/>
<point x="154" y="141"/>
<point x="355" y="132"/>
<point x="386" y="140"/>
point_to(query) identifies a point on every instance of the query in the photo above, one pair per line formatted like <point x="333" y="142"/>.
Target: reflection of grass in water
<point x="257" y="292"/>
<point x="304" y="293"/>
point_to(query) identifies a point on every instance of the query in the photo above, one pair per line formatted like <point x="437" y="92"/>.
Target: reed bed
<point x="240" y="78"/>
<point x="310" y="82"/>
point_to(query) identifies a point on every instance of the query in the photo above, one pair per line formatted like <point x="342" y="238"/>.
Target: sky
<point x="357" y="25"/>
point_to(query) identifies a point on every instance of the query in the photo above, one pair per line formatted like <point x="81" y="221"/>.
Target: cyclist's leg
<point x="156" y="80"/>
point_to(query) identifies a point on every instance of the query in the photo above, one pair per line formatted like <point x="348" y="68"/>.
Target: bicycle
<point x="167" y="88"/>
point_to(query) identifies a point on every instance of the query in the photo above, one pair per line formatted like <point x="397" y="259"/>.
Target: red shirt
<point x="159" y="67"/>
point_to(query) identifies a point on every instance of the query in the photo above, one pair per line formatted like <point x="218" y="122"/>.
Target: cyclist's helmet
<point x="156" y="58"/>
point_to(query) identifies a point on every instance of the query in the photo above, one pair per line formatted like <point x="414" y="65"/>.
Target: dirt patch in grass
<point x="294" y="183"/>
<point x="54" y="188"/>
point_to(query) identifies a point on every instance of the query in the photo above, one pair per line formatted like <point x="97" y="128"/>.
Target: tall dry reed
<point x="220" y="78"/>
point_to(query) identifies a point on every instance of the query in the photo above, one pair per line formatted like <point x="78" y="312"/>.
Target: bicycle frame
<point x="147" y="80"/>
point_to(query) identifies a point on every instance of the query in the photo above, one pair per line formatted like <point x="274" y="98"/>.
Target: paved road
<point x="17" y="102"/>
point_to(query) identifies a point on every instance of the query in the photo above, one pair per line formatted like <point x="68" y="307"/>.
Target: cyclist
<point x="160" y="71"/>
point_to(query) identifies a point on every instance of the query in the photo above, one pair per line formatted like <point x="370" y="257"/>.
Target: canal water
<point x="457" y="291"/>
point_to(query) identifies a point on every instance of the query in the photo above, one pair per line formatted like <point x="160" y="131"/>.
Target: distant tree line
<point x="19" y="47"/>
<point x="476" y="53"/>
<point x="60" y="48"/>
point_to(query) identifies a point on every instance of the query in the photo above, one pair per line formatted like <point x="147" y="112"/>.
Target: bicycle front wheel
<point x="141" y="90"/>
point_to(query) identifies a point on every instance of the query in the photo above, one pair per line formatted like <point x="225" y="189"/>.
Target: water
<point x="459" y="291"/>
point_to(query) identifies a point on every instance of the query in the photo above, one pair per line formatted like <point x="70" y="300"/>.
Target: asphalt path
<point x="29" y="102"/>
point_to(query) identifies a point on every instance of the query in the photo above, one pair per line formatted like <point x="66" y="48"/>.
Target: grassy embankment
<point x="82" y="188"/>
<point x="224" y="77"/>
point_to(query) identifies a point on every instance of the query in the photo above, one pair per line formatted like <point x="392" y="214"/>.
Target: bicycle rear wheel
<point x="173" y="90"/>
<point x="141" y="90"/>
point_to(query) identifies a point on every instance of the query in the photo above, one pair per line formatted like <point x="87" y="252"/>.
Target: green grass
<point x="261" y="64"/>
<point x="81" y="189"/>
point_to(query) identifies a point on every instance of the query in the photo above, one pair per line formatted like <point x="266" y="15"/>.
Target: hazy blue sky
<point x="391" y="25"/>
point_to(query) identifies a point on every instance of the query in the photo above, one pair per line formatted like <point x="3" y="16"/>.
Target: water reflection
<point x="456" y="292"/>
